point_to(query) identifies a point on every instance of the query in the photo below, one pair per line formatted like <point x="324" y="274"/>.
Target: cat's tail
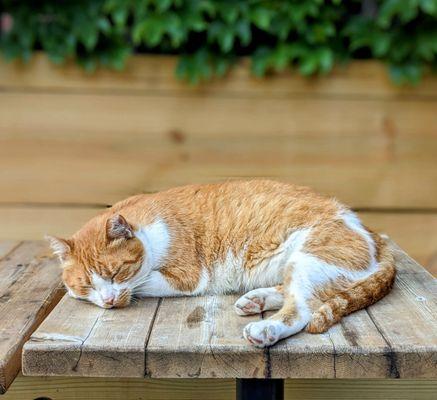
<point x="361" y="294"/>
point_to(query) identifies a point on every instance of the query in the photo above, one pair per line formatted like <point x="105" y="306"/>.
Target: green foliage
<point x="209" y="35"/>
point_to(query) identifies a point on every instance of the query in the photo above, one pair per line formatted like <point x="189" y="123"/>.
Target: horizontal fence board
<point x="53" y="115"/>
<point x="30" y="388"/>
<point x="156" y="74"/>
<point x="93" y="164"/>
<point x="98" y="138"/>
<point x="72" y="176"/>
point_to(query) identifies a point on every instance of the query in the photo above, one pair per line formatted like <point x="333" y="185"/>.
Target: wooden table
<point x="201" y="337"/>
<point x="29" y="288"/>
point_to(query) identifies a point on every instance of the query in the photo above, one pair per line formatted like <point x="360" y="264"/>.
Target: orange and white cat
<point x="286" y="247"/>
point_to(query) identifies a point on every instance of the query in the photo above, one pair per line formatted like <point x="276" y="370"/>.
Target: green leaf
<point x="120" y="15"/>
<point x="242" y="30"/>
<point x="226" y="40"/>
<point x="429" y="7"/>
<point x="208" y="35"/>
<point x="261" y="17"/>
<point x="308" y="65"/>
<point x="326" y="59"/>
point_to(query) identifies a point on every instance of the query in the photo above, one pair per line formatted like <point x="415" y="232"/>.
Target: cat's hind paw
<point x="249" y="306"/>
<point x="263" y="333"/>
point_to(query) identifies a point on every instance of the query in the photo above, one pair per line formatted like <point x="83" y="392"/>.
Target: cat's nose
<point x="109" y="300"/>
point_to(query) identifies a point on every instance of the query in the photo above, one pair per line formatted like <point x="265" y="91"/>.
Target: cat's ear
<point x="118" y="228"/>
<point x="61" y="247"/>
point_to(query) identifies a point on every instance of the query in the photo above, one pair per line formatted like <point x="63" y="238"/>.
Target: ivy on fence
<point x="209" y="35"/>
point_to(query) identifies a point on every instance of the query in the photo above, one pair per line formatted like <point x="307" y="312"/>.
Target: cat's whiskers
<point x="140" y="281"/>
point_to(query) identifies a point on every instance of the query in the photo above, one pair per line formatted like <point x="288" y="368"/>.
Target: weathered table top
<point x="202" y="337"/>
<point x="29" y="288"/>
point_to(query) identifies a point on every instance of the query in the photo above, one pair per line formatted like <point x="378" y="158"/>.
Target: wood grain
<point x="99" y="149"/>
<point x="407" y="319"/>
<point x="32" y="223"/>
<point x="81" y="339"/>
<point x="352" y="349"/>
<point x="30" y="388"/>
<point x="360" y="389"/>
<point x="201" y="337"/>
<point x="29" y="289"/>
<point x="6" y="246"/>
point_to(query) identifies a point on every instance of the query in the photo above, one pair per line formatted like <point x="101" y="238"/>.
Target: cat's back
<point x="254" y="205"/>
<point x="257" y="192"/>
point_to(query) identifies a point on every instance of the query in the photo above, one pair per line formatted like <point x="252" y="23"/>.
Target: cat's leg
<point x="296" y="311"/>
<point x="258" y="300"/>
<point x="289" y="320"/>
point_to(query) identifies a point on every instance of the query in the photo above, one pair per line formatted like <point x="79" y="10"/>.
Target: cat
<point x="288" y="248"/>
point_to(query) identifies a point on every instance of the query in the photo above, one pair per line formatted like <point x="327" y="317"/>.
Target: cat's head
<point x="101" y="263"/>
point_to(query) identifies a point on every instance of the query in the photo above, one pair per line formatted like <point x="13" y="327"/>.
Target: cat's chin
<point x="122" y="301"/>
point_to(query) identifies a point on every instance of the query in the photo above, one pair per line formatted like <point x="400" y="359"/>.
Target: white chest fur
<point x="155" y="238"/>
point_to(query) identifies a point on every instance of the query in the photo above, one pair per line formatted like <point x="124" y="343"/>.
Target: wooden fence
<point x="71" y="143"/>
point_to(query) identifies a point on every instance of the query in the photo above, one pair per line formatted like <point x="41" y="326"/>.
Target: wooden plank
<point x="201" y="337"/>
<point x="352" y="349"/>
<point x="362" y="389"/>
<point x="32" y="223"/>
<point x="30" y="388"/>
<point x="407" y="320"/>
<point x="29" y="289"/>
<point x="363" y="171"/>
<point x="156" y="74"/>
<point x="80" y="339"/>
<point x="106" y="116"/>
<point x="6" y="246"/>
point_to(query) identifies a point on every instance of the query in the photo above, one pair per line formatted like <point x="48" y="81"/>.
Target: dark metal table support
<point x="260" y="389"/>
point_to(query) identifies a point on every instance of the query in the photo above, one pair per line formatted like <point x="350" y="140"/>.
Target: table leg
<point x="260" y="389"/>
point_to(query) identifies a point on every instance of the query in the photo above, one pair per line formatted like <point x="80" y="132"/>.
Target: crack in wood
<point x="334" y="355"/>
<point x="82" y="344"/>
<point x="149" y="334"/>
<point x="390" y="354"/>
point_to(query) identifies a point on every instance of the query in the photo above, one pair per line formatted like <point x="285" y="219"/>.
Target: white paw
<point x="263" y="333"/>
<point x="246" y="305"/>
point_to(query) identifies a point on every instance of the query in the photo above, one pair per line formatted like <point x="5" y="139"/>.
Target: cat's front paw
<point x="246" y="305"/>
<point x="263" y="333"/>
